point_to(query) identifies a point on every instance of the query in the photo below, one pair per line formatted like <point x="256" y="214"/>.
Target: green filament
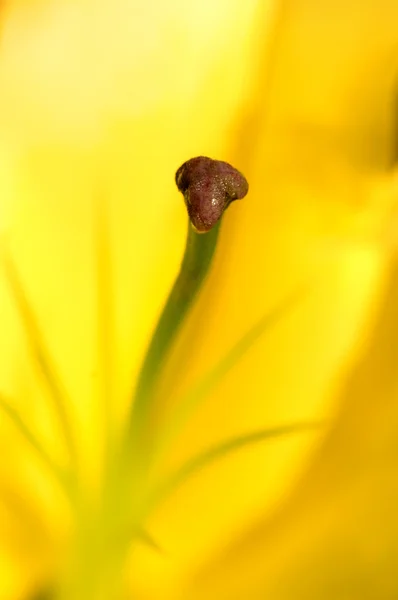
<point x="199" y="252"/>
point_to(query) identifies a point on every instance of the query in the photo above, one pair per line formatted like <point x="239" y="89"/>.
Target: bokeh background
<point x="100" y="103"/>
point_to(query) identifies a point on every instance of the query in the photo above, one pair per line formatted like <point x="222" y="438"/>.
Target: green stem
<point x="199" y="252"/>
<point x="126" y="473"/>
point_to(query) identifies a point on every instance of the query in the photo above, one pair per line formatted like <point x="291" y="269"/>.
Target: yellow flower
<point x="101" y="102"/>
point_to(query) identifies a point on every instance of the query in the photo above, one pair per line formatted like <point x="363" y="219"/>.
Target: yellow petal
<point x="336" y="533"/>
<point x="321" y="137"/>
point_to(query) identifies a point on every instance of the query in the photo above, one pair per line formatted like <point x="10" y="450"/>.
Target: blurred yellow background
<point x="102" y="101"/>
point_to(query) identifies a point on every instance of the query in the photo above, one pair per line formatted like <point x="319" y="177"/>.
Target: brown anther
<point x="209" y="186"/>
